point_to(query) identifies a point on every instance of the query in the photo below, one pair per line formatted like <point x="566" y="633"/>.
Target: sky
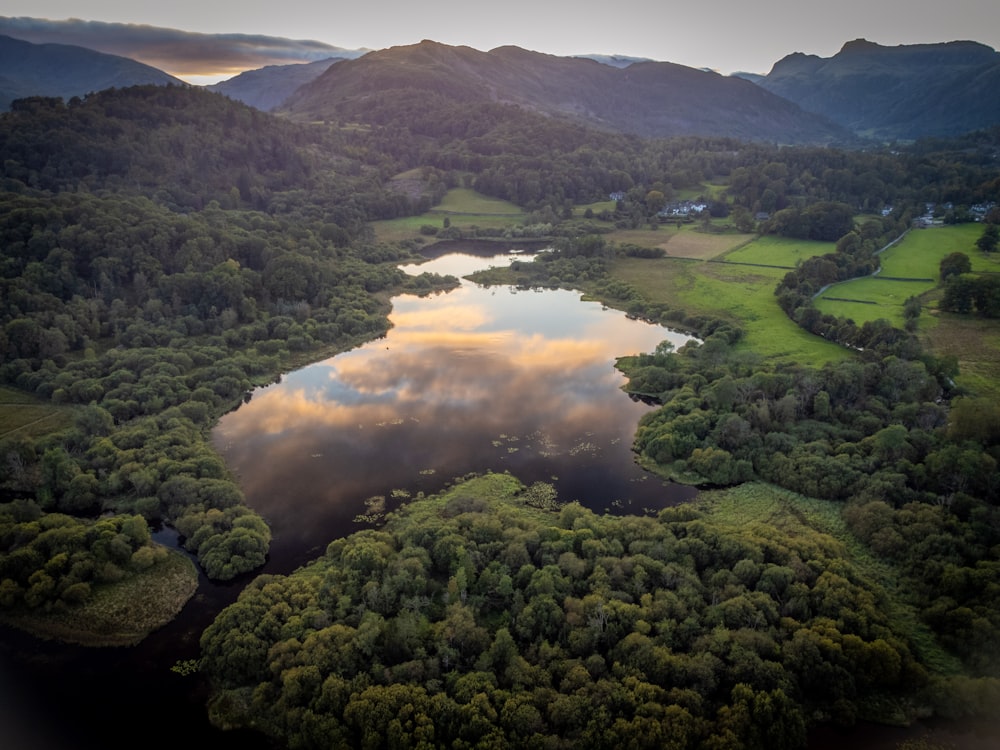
<point x="723" y="35"/>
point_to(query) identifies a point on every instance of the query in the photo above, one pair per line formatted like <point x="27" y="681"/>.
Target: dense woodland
<point x="474" y="619"/>
<point x="166" y="249"/>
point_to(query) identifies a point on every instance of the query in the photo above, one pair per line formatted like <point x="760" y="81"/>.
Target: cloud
<point x="180" y="53"/>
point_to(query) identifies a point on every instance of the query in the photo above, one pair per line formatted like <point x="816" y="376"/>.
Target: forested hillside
<point x="139" y="282"/>
<point x="648" y="99"/>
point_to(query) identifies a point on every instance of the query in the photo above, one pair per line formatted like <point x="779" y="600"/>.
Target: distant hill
<point x="267" y="88"/>
<point x="644" y="98"/>
<point x="615" y="61"/>
<point x="907" y="91"/>
<point x="66" y="71"/>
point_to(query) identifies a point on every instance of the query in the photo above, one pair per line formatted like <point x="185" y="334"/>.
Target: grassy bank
<point x="463" y="209"/>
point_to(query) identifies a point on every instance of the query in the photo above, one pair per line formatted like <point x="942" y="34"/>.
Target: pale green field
<point x="917" y="256"/>
<point x="778" y="251"/>
<point x="467" y="201"/>
<point x="884" y="298"/>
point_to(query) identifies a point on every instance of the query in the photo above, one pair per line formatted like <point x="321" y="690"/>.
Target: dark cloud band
<point x="173" y="51"/>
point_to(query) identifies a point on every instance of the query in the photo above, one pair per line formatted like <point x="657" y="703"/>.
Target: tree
<point x="989" y="239"/>
<point x="955" y="264"/>
<point x="655" y="200"/>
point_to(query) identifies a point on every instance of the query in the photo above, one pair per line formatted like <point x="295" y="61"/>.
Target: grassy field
<point x="681" y="243"/>
<point x="778" y="251"/>
<point x="740" y="293"/>
<point x="23" y="414"/>
<point x="871" y="298"/>
<point x="919" y="254"/>
<point x="464" y="208"/>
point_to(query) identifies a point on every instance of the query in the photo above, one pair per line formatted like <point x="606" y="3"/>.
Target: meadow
<point x="910" y="268"/>
<point x="464" y="209"/>
<point x="24" y="415"/>
<point x="871" y="298"/>
<point x="771" y="250"/>
<point x="743" y="294"/>
<point x="920" y="253"/>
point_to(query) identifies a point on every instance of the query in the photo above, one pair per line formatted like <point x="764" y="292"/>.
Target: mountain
<point x="907" y="91"/>
<point x="615" y="61"/>
<point x="267" y="88"/>
<point x="645" y="98"/>
<point x="66" y="71"/>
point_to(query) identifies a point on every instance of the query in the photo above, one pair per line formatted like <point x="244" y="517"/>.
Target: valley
<point x="472" y="437"/>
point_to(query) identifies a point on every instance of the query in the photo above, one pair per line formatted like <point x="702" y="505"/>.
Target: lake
<point x="475" y="379"/>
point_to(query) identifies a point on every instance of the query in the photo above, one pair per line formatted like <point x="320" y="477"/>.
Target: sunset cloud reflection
<point x="470" y="381"/>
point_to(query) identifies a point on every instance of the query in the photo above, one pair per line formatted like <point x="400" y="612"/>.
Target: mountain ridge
<point x="64" y="70"/>
<point x="906" y="91"/>
<point x="650" y="99"/>
<point x="268" y="87"/>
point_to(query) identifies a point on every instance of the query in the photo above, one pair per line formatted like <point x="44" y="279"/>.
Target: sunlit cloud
<point x="463" y="317"/>
<point x="192" y="56"/>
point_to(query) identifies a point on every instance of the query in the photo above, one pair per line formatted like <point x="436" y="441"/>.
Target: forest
<point x="166" y="250"/>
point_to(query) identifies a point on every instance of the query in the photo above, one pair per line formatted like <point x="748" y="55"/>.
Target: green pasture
<point x="462" y="207"/>
<point x="579" y="211"/>
<point x="466" y="201"/>
<point x="919" y="254"/>
<point x="770" y="250"/>
<point x="24" y="415"/>
<point x="871" y="298"/>
<point x="739" y="293"/>
<point x="918" y="257"/>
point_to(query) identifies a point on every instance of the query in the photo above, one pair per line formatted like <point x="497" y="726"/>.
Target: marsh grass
<point x="975" y="343"/>
<point x="122" y="613"/>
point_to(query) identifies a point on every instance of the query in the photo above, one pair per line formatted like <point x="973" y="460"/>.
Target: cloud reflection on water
<point x="466" y="381"/>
